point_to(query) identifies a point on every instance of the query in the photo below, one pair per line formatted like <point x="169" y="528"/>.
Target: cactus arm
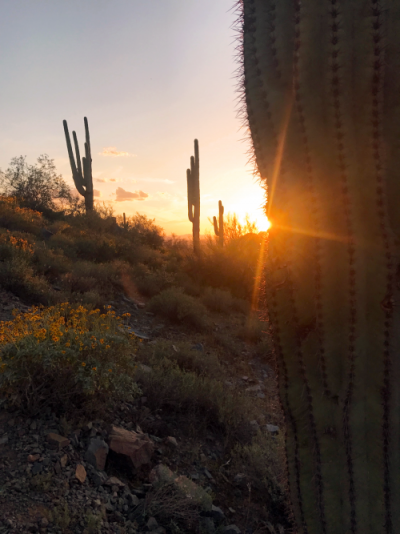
<point x="88" y="155"/>
<point x="76" y="172"/>
<point x="78" y="156"/>
<point x="219" y="230"/>
<point x="215" y="222"/>
<point x="189" y="195"/>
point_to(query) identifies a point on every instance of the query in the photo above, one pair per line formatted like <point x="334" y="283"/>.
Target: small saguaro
<point x="193" y="193"/>
<point x="81" y="173"/>
<point x="219" y="229"/>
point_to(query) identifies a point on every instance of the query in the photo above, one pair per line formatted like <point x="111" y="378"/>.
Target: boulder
<point x="137" y="447"/>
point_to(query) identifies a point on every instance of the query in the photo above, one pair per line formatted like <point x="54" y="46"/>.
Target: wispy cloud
<point x="122" y="195"/>
<point x="113" y="152"/>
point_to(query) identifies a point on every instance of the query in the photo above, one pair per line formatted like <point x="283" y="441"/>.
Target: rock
<point x="140" y="305"/>
<point x="132" y="500"/>
<point x="145" y="368"/>
<point x="171" y="441"/>
<point x="96" y="454"/>
<point x="33" y="457"/>
<point x="98" y="478"/>
<point x="162" y="475"/>
<point x="252" y="389"/>
<point x="57" y="442"/>
<point x="152" y="523"/>
<point x="64" y="460"/>
<point x="45" y="234"/>
<point x="80" y="473"/>
<point x="137" y="447"/>
<point x="216" y="513"/>
<point x="208" y="474"/>
<point x="273" y="429"/>
<point x="37" y="468"/>
<point x="4" y="439"/>
<point x="198" y="346"/>
<point x="207" y="525"/>
<point x="44" y="522"/>
<point x="231" y="529"/>
<point x="114" y="481"/>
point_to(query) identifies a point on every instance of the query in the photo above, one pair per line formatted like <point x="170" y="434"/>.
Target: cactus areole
<point x="81" y="173"/>
<point x="321" y="90"/>
<point x="193" y="193"/>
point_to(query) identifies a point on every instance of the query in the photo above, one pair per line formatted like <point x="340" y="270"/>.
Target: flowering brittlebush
<point x="81" y="345"/>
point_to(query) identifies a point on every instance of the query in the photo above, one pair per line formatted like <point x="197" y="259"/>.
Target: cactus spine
<point x="81" y="173"/>
<point x="193" y="193"/>
<point x="321" y="85"/>
<point x="219" y="230"/>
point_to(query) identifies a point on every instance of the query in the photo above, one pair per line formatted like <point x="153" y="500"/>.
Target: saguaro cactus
<point x="321" y="86"/>
<point x="82" y="178"/>
<point x="219" y="230"/>
<point x="193" y="193"/>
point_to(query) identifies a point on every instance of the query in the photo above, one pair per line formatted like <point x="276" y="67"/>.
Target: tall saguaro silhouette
<point x="193" y="193"/>
<point x="81" y="173"/>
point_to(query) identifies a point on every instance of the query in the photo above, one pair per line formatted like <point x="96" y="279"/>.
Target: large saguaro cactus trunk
<point x="321" y="85"/>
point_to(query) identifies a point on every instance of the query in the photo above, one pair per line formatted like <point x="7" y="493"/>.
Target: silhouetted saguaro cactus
<point x="193" y="193"/>
<point x="321" y="86"/>
<point x="219" y="230"/>
<point x="81" y="173"/>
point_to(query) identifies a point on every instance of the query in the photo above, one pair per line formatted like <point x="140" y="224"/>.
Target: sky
<point x="151" y="76"/>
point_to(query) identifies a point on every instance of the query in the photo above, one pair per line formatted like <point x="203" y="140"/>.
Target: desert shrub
<point x="48" y="262"/>
<point x="37" y="186"/>
<point x="174" y="305"/>
<point x="263" y="462"/>
<point x="221" y="300"/>
<point x="143" y="230"/>
<point x="205" y="401"/>
<point x="66" y="356"/>
<point x="86" y="276"/>
<point x="184" y="355"/>
<point x="13" y="217"/>
<point x="172" y="507"/>
<point x="252" y="330"/>
<point x="232" y="267"/>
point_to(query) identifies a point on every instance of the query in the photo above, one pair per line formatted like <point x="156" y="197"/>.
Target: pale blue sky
<point x="151" y="76"/>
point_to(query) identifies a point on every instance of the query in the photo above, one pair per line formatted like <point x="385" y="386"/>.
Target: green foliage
<point x="221" y="300"/>
<point x="174" y="305"/>
<point x="143" y="230"/>
<point x="15" y="218"/>
<point x="252" y="330"/>
<point x="198" y="393"/>
<point x="64" y="356"/>
<point x="232" y="267"/>
<point x="38" y="186"/>
<point x="263" y="462"/>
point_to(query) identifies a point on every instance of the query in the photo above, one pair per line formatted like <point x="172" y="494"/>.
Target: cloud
<point x="113" y="180"/>
<point x="112" y="151"/>
<point x="102" y="180"/>
<point x="128" y="195"/>
<point x="96" y="193"/>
